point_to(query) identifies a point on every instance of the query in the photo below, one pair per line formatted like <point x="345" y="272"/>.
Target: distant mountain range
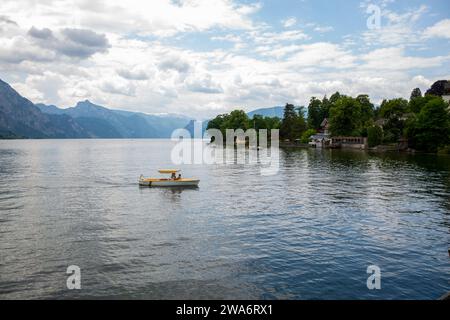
<point x="268" y="112"/>
<point x="20" y="118"/>
<point x="100" y="122"/>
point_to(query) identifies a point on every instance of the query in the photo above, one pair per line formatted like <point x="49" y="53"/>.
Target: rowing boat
<point x="174" y="181"/>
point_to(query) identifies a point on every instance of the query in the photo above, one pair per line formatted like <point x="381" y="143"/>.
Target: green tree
<point x="272" y="122"/>
<point x="394" y="108"/>
<point x="416" y="93"/>
<point x="431" y="128"/>
<point x="345" y="117"/>
<point x="258" y="122"/>
<point x="217" y="122"/>
<point x="374" y="136"/>
<point x="394" y="112"/>
<point x="307" y="135"/>
<point x="293" y="123"/>
<point x="335" y="97"/>
<point x="288" y="123"/>
<point x="326" y="105"/>
<point x="416" y="104"/>
<point x="367" y="108"/>
<point x="301" y="124"/>
<point x="437" y="88"/>
<point x="237" y="119"/>
<point x="315" y="113"/>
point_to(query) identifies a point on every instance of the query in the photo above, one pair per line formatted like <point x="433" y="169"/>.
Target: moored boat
<point x="173" y="181"/>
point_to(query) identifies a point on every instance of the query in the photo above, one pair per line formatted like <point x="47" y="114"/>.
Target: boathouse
<point x="349" y="142"/>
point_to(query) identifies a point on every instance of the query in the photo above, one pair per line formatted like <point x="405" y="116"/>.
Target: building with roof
<point x="322" y="138"/>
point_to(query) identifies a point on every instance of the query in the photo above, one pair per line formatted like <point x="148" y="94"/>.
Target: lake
<point x="308" y="232"/>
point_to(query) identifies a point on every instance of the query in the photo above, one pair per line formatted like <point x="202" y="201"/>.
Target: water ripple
<point x="308" y="232"/>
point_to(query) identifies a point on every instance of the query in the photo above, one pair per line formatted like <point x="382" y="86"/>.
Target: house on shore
<point x="322" y="138"/>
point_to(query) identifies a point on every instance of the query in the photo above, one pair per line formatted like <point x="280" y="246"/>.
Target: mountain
<point x="268" y="112"/>
<point x="190" y="127"/>
<point x="101" y="122"/>
<point x="165" y="124"/>
<point x="50" y="109"/>
<point x="19" y="117"/>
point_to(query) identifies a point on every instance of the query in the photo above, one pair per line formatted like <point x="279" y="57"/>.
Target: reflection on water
<point x="308" y="232"/>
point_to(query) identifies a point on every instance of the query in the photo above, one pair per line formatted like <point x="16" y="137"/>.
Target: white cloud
<point x="133" y="74"/>
<point x="134" y="57"/>
<point x="117" y="86"/>
<point x="267" y="38"/>
<point x="160" y="18"/>
<point x="76" y="43"/>
<point x="322" y="54"/>
<point x="440" y="30"/>
<point x="396" y="28"/>
<point x="289" y="22"/>
<point x="323" y="29"/>
<point x="203" y="84"/>
<point x="18" y="49"/>
<point x="394" y="59"/>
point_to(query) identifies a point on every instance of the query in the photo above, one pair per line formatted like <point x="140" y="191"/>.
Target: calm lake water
<point x="309" y="232"/>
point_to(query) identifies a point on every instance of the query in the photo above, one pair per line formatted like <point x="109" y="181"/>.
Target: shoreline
<point x="368" y="150"/>
<point x="381" y="149"/>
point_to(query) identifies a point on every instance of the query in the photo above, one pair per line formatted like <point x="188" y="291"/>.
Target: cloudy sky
<point x="203" y="57"/>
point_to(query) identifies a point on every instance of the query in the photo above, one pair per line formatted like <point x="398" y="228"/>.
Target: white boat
<point x="174" y="181"/>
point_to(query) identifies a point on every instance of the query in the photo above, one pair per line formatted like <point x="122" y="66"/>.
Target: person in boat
<point x="173" y="177"/>
<point x="179" y="176"/>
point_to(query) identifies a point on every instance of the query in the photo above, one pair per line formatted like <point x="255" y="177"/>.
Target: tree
<point x="272" y="123"/>
<point x="301" y="124"/>
<point x="437" y="88"/>
<point x="367" y="108"/>
<point x="301" y="112"/>
<point x="394" y="112"/>
<point x="315" y="114"/>
<point x="326" y="105"/>
<point x="374" y="136"/>
<point x="237" y="119"/>
<point x="345" y="117"/>
<point x="307" y="135"/>
<point x="416" y="104"/>
<point x="217" y="122"/>
<point x="394" y="108"/>
<point x="335" y="97"/>
<point x="293" y="123"/>
<point x="431" y="129"/>
<point x="288" y="123"/>
<point x="416" y="93"/>
<point x="258" y="122"/>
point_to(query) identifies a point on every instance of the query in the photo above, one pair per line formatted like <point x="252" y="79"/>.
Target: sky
<point x="205" y="57"/>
